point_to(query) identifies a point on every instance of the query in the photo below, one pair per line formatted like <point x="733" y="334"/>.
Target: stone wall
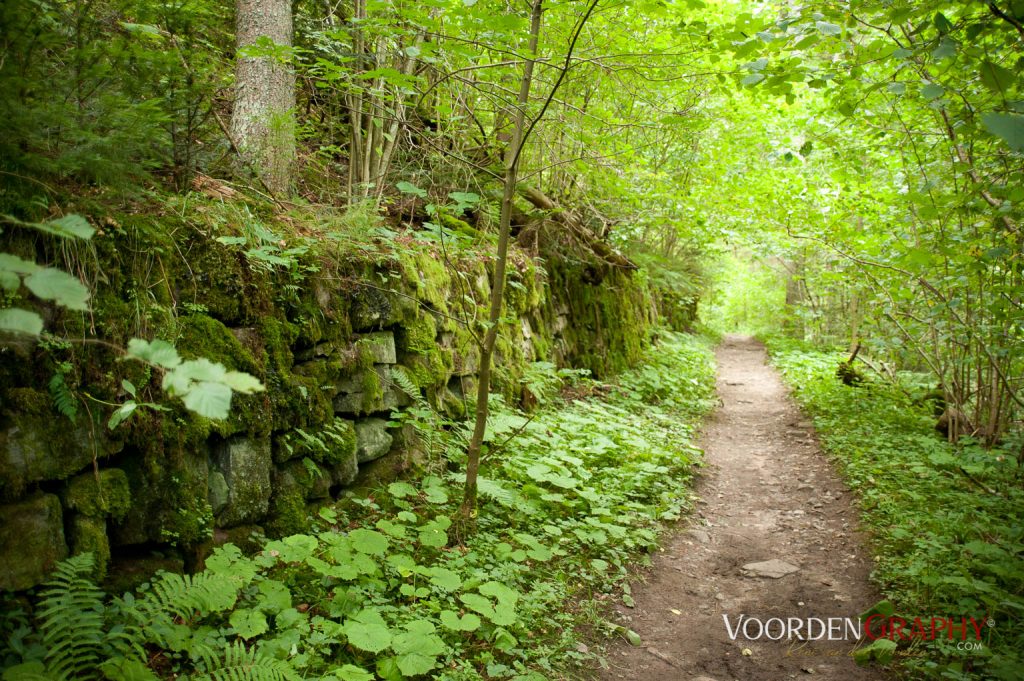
<point x="326" y="335"/>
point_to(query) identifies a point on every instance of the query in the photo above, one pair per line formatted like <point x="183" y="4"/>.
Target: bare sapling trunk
<point x="262" y="121"/>
<point x="467" y="512"/>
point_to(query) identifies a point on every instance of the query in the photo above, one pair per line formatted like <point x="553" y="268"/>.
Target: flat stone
<point x="699" y="536"/>
<point x="245" y="464"/>
<point x="381" y="345"/>
<point x="773" y="568"/>
<point x="372" y="439"/>
<point x="31" y="541"/>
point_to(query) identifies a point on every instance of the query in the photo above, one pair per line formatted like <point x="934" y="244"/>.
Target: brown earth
<point x="768" y="493"/>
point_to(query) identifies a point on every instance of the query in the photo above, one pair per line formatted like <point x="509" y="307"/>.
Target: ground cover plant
<point x="381" y="587"/>
<point x="944" y="518"/>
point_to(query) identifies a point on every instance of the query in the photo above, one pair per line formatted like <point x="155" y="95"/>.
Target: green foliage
<point x="384" y="587"/>
<point x="944" y="518"/>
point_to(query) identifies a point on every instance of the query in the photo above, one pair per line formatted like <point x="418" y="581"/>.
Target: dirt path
<point x="768" y="494"/>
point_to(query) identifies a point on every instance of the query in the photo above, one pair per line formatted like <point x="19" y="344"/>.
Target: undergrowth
<point x="382" y="589"/>
<point x="944" y="519"/>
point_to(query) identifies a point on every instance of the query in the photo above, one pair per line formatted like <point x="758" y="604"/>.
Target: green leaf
<point x="121" y="414"/>
<point x="401" y="490"/>
<point x="121" y="669"/>
<point x="58" y="286"/>
<point x="350" y="672"/>
<point x="932" y="91"/>
<point x="368" y="631"/>
<point x="633" y="638"/>
<point x="248" y="623"/>
<point x="752" y="79"/>
<point x="417" y="648"/>
<point x="468" y="622"/>
<point x="996" y="77"/>
<point x="369" y="542"/>
<point x="444" y="578"/>
<point x="128" y="386"/>
<point x="16" y="320"/>
<point x="209" y="399"/>
<point x="12" y="263"/>
<point x="897" y="88"/>
<point x="242" y="382"/>
<point x="160" y="353"/>
<point x="232" y="240"/>
<point x="881" y="650"/>
<point x="68" y="227"/>
<point x="826" y="28"/>
<point x="1008" y="127"/>
<point x="410" y="188"/>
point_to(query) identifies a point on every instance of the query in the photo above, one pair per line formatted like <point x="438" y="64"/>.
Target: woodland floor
<point x="767" y="493"/>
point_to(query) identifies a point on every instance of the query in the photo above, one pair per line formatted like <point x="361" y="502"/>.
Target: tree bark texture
<point x="262" y="121"/>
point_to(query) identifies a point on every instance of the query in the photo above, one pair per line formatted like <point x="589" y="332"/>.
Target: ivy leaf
<point x="16" y="320"/>
<point x="248" y="623"/>
<point x="1008" y="127"/>
<point x="160" y="353"/>
<point x="59" y="286"/>
<point x="209" y="399"/>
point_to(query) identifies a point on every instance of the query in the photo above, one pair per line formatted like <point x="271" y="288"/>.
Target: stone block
<point x="31" y="541"/>
<point x="89" y="535"/>
<point x="245" y="464"/>
<point x="381" y="345"/>
<point x="109" y="495"/>
<point x="372" y="439"/>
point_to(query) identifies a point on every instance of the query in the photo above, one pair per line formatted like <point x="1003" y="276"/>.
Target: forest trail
<point x="767" y="494"/>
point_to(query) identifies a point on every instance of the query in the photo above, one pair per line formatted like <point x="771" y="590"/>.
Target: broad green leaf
<point x="121" y="413"/>
<point x="248" y="623"/>
<point x="68" y="227"/>
<point x="12" y="263"/>
<point x="158" y="352"/>
<point x="58" y="286"/>
<point x="445" y="579"/>
<point x="212" y="400"/>
<point x="401" y="490"/>
<point x="232" y="240"/>
<point x="997" y="78"/>
<point x="468" y="622"/>
<point x="417" y="648"/>
<point x="826" y="28"/>
<point x="932" y="91"/>
<point x="242" y="382"/>
<point x="410" y="188"/>
<point x="350" y="672"/>
<point x="16" y="320"/>
<point x="1008" y="127"/>
<point x="368" y="631"/>
<point x="752" y="79"/>
<point x="369" y="542"/>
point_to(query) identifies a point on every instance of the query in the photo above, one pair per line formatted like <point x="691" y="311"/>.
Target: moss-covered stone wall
<point x="326" y="331"/>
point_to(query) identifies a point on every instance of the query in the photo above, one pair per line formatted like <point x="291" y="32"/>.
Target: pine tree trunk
<point x="262" y="122"/>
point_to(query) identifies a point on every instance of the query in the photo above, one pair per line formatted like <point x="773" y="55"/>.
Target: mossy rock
<point x="31" y="541"/>
<point x="99" y="496"/>
<point x="246" y="464"/>
<point x="89" y="535"/>
<point x="39" y="444"/>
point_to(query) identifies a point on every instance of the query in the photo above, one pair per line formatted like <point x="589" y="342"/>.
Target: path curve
<point x="767" y="493"/>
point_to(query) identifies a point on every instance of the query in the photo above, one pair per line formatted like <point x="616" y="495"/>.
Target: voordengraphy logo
<point x="876" y="627"/>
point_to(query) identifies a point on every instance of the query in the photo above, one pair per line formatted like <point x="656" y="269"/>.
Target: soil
<point x="767" y="493"/>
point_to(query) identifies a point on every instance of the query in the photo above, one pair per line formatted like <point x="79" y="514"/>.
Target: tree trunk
<point x="263" y="118"/>
<point x="467" y="511"/>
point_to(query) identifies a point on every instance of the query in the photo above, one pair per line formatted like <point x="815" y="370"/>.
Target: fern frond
<point x="63" y="399"/>
<point x="407" y="385"/>
<point x="242" y="664"/>
<point x="71" y="620"/>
